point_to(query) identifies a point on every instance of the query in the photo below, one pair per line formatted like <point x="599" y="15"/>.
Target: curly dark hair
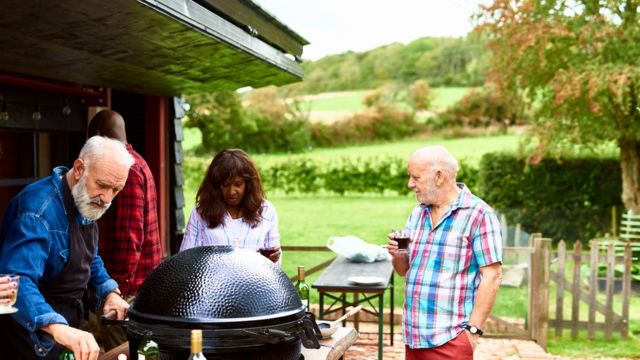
<point x="225" y="165"/>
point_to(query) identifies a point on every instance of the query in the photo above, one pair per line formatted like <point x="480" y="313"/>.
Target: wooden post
<point x="533" y="283"/>
<point x="516" y="241"/>
<point x="614" y="221"/>
<point x="608" y="316"/>
<point x="593" y="289"/>
<point x="575" y="290"/>
<point x="626" y="292"/>
<point x="505" y="230"/>
<point x="540" y="311"/>
<point x="560" y="288"/>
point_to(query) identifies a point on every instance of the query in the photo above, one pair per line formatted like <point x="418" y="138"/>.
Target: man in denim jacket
<point x="49" y="238"/>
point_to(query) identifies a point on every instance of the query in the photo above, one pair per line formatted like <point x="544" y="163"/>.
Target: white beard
<point x="85" y="204"/>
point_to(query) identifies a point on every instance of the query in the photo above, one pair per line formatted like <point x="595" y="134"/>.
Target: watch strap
<point x="475" y="331"/>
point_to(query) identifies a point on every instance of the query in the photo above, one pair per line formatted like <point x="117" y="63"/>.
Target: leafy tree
<point x="441" y="61"/>
<point x="218" y="116"/>
<point x="577" y="62"/>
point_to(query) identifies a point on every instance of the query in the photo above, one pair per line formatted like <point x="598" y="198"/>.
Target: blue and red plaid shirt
<point x="444" y="264"/>
<point x="129" y="237"/>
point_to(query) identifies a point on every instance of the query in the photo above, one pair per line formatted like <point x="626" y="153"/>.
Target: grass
<point x="352" y="100"/>
<point x="347" y="101"/>
<point x="469" y="149"/>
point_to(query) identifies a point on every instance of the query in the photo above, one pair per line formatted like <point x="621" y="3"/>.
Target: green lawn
<point x="352" y="100"/>
<point x="468" y="149"/>
<point x="348" y="101"/>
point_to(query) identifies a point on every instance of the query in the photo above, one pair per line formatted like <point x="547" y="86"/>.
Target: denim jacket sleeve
<point x="25" y="251"/>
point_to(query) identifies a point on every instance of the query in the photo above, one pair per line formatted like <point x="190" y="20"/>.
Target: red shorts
<point x="458" y="348"/>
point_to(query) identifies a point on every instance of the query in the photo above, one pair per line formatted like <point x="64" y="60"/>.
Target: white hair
<point x="100" y="147"/>
<point x="439" y="158"/>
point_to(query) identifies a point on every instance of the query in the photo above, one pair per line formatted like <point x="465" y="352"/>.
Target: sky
<point x="337" y="26"/>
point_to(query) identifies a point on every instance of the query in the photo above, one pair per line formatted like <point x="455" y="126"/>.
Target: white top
<point x="234" y="232"/>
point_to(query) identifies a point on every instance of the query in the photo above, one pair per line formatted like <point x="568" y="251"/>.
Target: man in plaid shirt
<point x="452" y="264"/>
<point x="129" y="238"/>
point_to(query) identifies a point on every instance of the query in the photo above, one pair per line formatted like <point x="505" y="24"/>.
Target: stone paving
<point x="488" y="349"/>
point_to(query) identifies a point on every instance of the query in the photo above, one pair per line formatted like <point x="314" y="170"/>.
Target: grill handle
<point x="309" y="332"/>
<point x="110" y="319"/>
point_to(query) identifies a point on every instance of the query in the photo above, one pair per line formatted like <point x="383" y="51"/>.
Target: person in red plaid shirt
<point x="129" y="238"/>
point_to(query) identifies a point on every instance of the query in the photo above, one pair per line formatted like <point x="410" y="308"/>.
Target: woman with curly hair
<point x="231" y="208"/>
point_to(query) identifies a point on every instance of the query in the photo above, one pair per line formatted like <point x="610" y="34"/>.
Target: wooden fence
<point x="584" y="290"/>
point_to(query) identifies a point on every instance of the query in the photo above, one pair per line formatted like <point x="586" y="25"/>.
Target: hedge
<point x="567" y="199"/>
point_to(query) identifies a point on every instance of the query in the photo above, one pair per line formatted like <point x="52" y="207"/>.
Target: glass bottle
<point x="66" y="354"/>
<point x="148" y="349"/>
<point x="196" y="346"/>
<point x="302" y="288"/>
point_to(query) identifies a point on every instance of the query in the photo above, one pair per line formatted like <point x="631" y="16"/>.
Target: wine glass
<point x="7" y="308"/>
<point x="402" y="237"/>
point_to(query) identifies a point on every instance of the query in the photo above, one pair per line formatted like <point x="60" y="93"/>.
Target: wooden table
<point x="330" y="349"/>
<point x="335" y="279"/>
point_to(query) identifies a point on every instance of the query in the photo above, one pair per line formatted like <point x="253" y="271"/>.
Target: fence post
<point x="593" y="289"/>
<point x="540" y="271"/>
<point x="560" y="288"/>
<point x="575" y="298"/>
<point x="626" y="292"/>
<point x="516" y="241"/>
<point x="608" y="316"/>
<point x="533" y="284"/>
<point x="614" y="221"/>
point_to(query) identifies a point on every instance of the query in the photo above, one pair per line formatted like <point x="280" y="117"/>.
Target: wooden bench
<point x="630" y="227"/>
<point x="629" y="233"/>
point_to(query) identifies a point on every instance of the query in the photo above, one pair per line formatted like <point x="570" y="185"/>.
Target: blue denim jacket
<point x="35" y="245"/>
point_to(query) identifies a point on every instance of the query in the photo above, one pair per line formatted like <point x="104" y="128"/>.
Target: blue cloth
<point x="35" y="245"/>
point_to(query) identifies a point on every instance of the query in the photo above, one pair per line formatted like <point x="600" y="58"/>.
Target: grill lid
<point x="219" y="286"/>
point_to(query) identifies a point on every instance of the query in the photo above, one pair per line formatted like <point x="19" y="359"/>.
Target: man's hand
<point x="400" y="260"/>
<point x="473" y="339"/>
<point x="113" y="302"/>
<point x="7" y="288"/>
<point x="82" y="343"/>
<point x="392" y="245"/>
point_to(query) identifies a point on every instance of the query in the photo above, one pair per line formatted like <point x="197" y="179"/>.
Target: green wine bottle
<point x="148" y="349"/>
<point x="66" y="354"/>
<point x="196" y="346"/>
<point x="302" y="288"/>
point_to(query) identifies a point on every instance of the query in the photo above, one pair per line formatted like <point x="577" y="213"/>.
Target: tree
<point x="575" y="63"/>
<point x="420" y="95"/>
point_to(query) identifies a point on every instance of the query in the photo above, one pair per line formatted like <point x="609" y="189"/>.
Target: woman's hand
<point x="276" y="255"/>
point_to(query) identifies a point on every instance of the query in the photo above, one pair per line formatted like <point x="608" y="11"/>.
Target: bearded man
<point x="49" y="237"/>
<point x="453" y="263"/>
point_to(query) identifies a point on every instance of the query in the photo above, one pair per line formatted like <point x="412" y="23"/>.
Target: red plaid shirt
<point x="129" y="238"/>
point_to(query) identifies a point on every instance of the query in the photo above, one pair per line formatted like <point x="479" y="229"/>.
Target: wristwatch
<point x="473" y="329"/>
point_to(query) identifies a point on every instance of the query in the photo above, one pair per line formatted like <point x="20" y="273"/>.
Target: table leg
<point x="380" y="324"/>
<point x="321" y="310"/>
<point x="356" y="317"/>
<point x="392" y="305"/>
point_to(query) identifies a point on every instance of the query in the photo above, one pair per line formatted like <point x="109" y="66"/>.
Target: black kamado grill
<point x="245" y="305"/>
